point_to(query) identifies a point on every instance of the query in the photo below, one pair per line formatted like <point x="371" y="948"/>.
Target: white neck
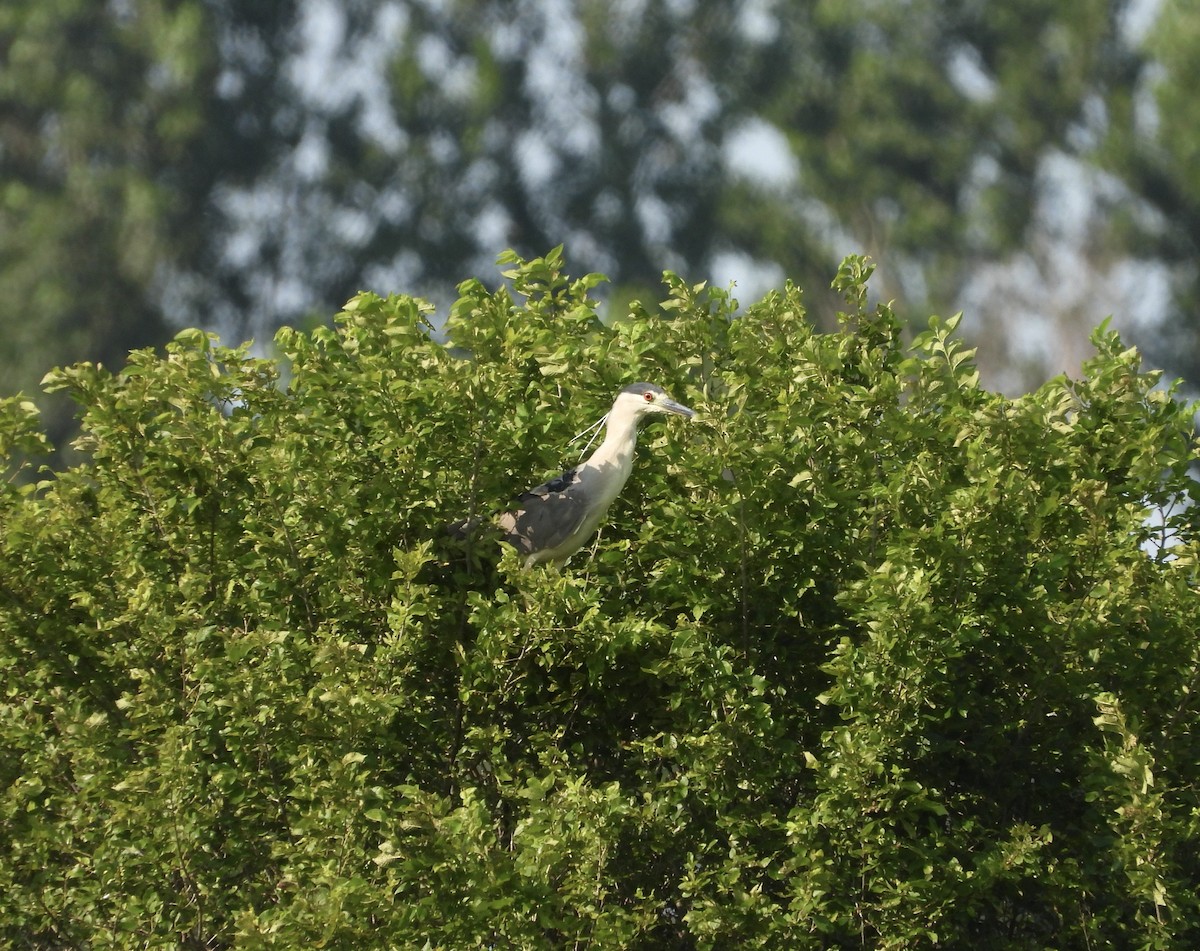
<point x="612" y="461"/>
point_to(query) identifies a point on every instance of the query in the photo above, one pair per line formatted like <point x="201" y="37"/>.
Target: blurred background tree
<point x="1153" y="149"/>
<point x="121" y="126"/>
<point x="237" y="166"/>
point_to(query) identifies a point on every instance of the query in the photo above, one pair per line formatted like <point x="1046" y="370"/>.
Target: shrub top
<point x="866" y="655"/>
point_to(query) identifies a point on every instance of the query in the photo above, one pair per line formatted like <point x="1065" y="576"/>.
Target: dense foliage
<point x="868" y="656"/>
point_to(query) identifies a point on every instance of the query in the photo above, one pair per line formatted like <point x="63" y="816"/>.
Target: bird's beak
<point x="670" y="406"/>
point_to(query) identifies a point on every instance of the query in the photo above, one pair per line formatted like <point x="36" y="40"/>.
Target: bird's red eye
<point x="649" y="397"/>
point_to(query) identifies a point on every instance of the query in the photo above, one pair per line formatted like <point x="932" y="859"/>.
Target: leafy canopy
<point x="867" y="656"/>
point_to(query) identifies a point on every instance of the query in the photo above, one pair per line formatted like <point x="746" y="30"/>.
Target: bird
<point x="556" y="518"/>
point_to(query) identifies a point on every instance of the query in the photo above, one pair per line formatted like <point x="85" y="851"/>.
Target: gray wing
<point x="548" y="515"/>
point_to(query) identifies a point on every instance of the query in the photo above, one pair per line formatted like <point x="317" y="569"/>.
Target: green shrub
<point x="867" y="656"/>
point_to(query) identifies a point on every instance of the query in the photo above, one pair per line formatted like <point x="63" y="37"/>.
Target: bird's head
<point x="642" y="399"/>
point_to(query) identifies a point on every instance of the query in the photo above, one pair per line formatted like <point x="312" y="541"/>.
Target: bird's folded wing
<point x="549" y="514"/>
<point x="557" y="485"/>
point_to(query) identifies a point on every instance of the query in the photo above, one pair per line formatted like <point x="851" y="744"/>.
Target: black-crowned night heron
<point x="556" y="518"/>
